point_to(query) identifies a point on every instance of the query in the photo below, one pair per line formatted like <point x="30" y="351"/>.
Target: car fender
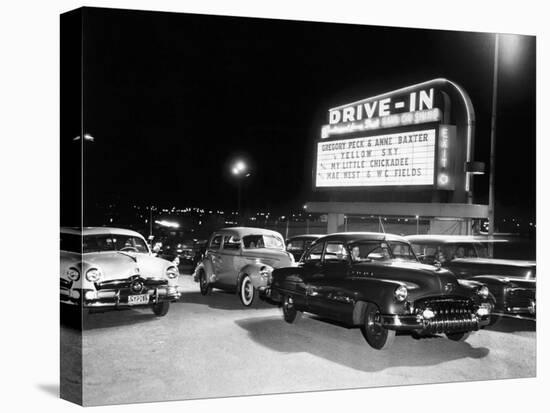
<point x="253" y="271"/>
<point x="381" y="293"/>
<point x="207" y="267"/>
<point x="491" y="279"/>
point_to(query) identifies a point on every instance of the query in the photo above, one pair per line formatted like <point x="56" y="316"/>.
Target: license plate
<point x="138" y="299"/>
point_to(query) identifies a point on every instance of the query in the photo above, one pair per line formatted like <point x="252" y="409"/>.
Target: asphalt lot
<point x="212" y="346"/>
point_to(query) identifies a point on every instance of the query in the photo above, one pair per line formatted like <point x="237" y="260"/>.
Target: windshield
<point x="381" y="251"/>
<point x="263" y="241"/>
<point x="113" y="242"/>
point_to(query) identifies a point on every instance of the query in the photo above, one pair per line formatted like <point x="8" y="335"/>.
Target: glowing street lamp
<point x="239" y="170"/>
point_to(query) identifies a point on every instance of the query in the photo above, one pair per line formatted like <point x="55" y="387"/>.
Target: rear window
<point x="295" y="245"/>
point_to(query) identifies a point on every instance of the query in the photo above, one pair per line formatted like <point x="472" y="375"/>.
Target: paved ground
<point x="212" y="346"/>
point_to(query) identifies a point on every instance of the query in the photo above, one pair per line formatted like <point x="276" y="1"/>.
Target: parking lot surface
<point x="212" y="347"/>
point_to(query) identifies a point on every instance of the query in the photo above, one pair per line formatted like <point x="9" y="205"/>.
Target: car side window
<point x="216" y="242"/>
<point x="335" y="251"/>
<point x="314" y="254"/>
<point x="231" y="242"/>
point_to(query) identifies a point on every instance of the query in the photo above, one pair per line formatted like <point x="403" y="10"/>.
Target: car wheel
<point x="160" y="309"/>
<point x="247" y="292"/>
<point x="458" y="336"/>
<point x="377" y="336"/>
<point x="206" y="288"/>
<point x="290" y="313"/>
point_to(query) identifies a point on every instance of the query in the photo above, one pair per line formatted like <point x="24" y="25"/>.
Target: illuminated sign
<point x="384" y="160"/>
<point x="445" y="157"/>
<point x="413" y="108"/>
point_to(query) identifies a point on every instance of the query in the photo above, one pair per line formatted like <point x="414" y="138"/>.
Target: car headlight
<point x="400" y="293"/>
<point x="172" y="272"/>
<point x="483" y="292"/>
<point x="93" y="274"/>
<point x="73" y="274"/>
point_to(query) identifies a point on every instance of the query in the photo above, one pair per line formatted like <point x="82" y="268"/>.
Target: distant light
<point x="240" y="166"/>
<point x="416" y="216"/>
<point x="87" y="137"/>
<point x="305" y="206"/>
<point x="235" y="171"/>
<point x="168" y="224"/>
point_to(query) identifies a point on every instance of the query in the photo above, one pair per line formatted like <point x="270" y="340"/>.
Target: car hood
<point x="518" y="269"/>
<point x="115" y="265"/>
<point x="272" y="257"/>
<point x="420" y="279"/>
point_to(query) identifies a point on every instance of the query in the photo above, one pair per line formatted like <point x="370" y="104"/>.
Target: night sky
<point x="171" y="98"/>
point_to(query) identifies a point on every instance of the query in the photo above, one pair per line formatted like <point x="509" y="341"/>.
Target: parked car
<point x="511" y="282"/>
<point x="241" y="259"/>
<point x="113" y="268"/>
<point x="375" y="281"/>
<point x="298" y="244"/>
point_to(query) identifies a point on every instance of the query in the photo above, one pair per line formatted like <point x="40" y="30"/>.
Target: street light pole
<point x="239" y="169"/>
<point x="150" y="221"/>
<point x="493" y="148"/>
<point x="239" y="185"/>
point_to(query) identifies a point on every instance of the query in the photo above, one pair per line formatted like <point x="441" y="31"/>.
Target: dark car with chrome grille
<point x="512" y="283"/>
<point x="374" y="281"/>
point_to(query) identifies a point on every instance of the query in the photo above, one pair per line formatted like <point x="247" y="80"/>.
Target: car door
<point x="331" y="298"/>
<point x="230" y="262"/>
<point x="213" y="254"/>
<point x="311" y="272"/>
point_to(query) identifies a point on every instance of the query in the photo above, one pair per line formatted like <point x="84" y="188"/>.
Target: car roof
<point x="244" y="231"/>
<point x="99" y="230"/>
<point x="349" y="237"/>
<point x="442" y="239"/>
<point x="306" y="236"/>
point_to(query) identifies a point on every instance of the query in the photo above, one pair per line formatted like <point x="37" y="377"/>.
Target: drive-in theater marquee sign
<point x="395" y="140"/>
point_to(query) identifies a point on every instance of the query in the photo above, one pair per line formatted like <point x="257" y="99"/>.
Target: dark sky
<point x="172" y="98"/>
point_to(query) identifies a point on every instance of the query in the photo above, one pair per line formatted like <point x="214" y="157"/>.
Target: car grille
<point x="449" y="315"/>
<point x="127" y="282"/>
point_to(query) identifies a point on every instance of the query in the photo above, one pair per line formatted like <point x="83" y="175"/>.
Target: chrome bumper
<point x="418" y="323"/>
<point x="117" y="298"/>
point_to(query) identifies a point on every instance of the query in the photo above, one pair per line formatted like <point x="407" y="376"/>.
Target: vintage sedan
<point x="298" y="244"/>
<point x="113" y="268"/>
<point x="511" y="282"/>
<point x="241" y="259"/>
<point x="375" y="281"/>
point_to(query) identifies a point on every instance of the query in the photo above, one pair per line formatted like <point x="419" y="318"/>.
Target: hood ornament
<point x="437" y="266"/>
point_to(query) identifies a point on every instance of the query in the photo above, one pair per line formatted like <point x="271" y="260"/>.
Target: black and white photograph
<point x="258" y="205"/>
<point x="273" y="206"/>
